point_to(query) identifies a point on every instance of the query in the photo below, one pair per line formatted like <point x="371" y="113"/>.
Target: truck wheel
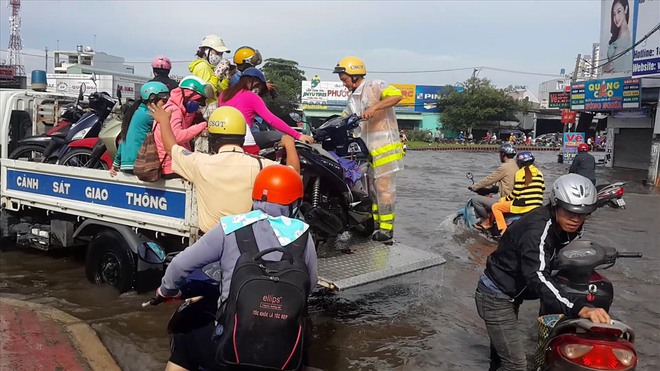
<point x="110" y="260"/>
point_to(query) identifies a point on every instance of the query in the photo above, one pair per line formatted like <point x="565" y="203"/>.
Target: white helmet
<point x="214" y="42"/>
<point x="574" y="193"/>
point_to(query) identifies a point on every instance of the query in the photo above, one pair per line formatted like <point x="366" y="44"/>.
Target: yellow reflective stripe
<point x="391" y="91"/>
<point x="387" y="217"/>
<point x="387" y="148"/>
<point x="387" y="159"/>
<point x="376" y="217"/>
<point x="374" y="207"/>
<point x="386" y="226"/>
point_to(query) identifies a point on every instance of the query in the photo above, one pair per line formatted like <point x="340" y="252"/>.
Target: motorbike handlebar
<point x="629" y="255"/>
<point x="154" y="301"/>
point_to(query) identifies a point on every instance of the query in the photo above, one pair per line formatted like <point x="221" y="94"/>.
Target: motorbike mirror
<point x="295" y="117"/>
<point x="150" y="252"/>
<point x="470" y="177"/>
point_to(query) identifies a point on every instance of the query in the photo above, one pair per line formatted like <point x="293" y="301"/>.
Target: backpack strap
<point x="246" y="241"/>
<point x="298" y="246"/>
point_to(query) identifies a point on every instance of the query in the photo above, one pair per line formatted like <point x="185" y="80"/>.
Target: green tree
<point x="287" y="78"/>
<point x="479" y="105"/>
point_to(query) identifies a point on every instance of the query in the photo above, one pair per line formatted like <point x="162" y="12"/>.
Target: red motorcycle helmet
<point x="583" y="147"/>
<point x="278" y="184"/>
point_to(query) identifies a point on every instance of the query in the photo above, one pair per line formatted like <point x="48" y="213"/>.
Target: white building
<point x="90" y="60"/>
<point x="546" y="87"/>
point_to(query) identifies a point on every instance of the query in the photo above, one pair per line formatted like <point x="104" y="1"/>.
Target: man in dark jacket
<point x="161" y="66"/>
<point x="584" y="164"/>
<point x="520" y="268"/>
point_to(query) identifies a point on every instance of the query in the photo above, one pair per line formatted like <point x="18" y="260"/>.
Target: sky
<point x="541" y="37"/>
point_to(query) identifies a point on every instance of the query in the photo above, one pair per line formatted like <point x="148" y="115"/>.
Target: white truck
<point x="47" y="206"/>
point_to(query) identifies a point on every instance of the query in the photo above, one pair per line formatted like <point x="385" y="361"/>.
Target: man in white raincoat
<point x="374" y="100"/>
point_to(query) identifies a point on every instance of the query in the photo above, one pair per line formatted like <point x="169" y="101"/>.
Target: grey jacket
<point x="215" y="246"/>
<point x="584" y="164"/>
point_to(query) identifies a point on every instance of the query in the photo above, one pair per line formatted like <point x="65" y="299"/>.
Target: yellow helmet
<point x="246" y="54"/>
<point x="352" y="66"/>
<point x="227" y="121"/>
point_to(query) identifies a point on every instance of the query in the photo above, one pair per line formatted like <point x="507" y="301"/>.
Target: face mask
<point x="214" y="59"/>
<point x="256" y="91"/>
<point x="192" y="107"/>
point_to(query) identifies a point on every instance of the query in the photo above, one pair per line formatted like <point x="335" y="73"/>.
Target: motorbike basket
<point x="546" y="324"/>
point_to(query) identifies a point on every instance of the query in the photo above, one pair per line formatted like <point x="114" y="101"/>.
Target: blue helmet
<point x="524" y="159"/>
<point x="507" y="149"/>
<point x="153" y="87"/>
<point x="254" y="72"/>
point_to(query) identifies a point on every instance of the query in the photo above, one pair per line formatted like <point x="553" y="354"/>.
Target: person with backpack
<point x="183" y="104"/>
<point x="161" y="66"/>
<point x="263" y="300"/>
<point x="136" y="124"/>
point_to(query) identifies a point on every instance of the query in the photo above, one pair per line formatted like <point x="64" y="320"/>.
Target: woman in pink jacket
<point x="183" y="103"/>
<point x="245" y="96"/>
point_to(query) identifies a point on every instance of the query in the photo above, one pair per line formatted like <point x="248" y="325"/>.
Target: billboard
<point x="606" y="95"/>
<point x="426" y="98"/>
<point x="325" y="95"/>
<point x="570" y="144"/>
<point x="407" y="104"/>
<point x="616" y="37"/>
<point x="646" y="55"/>
<point x="560" y="99"/>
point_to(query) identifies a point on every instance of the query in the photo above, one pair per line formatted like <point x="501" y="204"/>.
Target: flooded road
<point x="422" y="321"/>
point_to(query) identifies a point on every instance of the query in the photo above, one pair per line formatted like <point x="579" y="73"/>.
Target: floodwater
<point x="422" y="321"/>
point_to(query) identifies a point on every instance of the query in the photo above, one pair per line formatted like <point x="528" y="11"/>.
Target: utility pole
<point x="46" y="65"/>
<point x="577" y="67"/>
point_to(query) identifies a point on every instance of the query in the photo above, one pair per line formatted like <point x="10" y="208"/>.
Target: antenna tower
<point x="15" y="43"/>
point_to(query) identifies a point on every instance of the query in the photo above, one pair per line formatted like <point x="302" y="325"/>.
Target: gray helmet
<point x="574" y="193"/>
<point x="508" y="150"/>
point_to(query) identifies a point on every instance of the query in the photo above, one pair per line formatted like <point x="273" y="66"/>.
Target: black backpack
<point x="264" y="316"/>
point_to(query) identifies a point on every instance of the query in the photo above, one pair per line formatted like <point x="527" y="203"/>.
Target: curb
<point x="82" y="336"/>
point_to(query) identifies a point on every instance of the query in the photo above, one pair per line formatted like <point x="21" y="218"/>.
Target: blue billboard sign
<point x="426" y="98"/>
<point x="606" y="95"/>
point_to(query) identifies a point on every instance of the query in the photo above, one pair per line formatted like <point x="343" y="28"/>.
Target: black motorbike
<point x="334" y="172"/>
<point x="53" y="147"/>
<point x="579" y="344"/>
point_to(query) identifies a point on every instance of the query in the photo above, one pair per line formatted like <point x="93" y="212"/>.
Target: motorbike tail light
<point x="596" y="354"/>
<point x="619" y="192"/>
<point x="573" y="351"/>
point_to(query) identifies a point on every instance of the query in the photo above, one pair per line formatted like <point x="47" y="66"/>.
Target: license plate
<point x="620" y="202"/>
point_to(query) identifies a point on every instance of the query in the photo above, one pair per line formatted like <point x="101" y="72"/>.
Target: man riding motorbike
<point x="277" y="194"/>
<point x="584" y="163"/>
<point x="161" y="66"/>
<point x="374" y="101"/>
<point x="504" y="176"/>
<point x="521" y="265"/>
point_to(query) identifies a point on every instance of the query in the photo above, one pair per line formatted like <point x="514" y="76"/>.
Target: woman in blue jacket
<point x="136" y="125"/>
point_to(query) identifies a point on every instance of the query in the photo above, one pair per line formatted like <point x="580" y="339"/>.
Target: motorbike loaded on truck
<point x="49" y="206"/>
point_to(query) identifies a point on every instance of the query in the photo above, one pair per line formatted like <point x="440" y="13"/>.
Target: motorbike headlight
<point x="81" y="134"/>
<point x="357" y="131"/>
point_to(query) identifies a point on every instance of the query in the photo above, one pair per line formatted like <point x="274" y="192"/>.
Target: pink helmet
<point x="161" y="61"/>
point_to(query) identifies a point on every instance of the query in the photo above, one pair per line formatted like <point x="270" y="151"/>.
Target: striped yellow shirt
<point x="526" y="198"/>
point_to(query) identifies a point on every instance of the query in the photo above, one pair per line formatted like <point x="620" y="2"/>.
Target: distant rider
<point x="520" y="269"/>
<point x="374" y="100"/>
<point x="161" y="66"/>
<point x="527" y="192"/>
<point x="584" y="163"/>
<point x="504" y="176"/>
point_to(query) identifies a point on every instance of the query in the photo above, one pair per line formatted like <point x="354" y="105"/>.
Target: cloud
<point x="539" y="36"/>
